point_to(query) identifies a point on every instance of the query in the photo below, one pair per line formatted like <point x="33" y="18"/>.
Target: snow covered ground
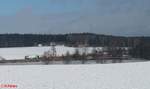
<point x="21" y="52"/>
<point x="107" y="76"/>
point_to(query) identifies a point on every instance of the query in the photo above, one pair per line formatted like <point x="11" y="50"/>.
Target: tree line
<point x="84" y="55"/>
<point x="140" y="45"/>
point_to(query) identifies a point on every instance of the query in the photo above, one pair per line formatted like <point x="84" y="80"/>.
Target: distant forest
<point x="140" y="45"/>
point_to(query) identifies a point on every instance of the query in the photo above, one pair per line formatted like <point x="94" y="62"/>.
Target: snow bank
<point x="107" y="76"/>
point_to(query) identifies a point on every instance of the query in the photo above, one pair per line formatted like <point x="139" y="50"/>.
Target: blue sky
<point x="11" y="7"/>
<point x="115" y="17"/>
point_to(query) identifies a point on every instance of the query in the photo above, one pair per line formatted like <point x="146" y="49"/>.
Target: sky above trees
<point x="115" y="17"/>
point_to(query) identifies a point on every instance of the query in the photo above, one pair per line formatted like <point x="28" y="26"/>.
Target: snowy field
<point x="107" y="76"/>
<point x="21" y="52"/>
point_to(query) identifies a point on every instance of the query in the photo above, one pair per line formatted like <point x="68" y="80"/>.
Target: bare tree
<point x="76" y="54"/>
<point x="67" y="58"/>
<point x="49" y="55"/>
<point x="84" y="54"/>
<point x="98" y="55"/>
<point x="46" y="57"/>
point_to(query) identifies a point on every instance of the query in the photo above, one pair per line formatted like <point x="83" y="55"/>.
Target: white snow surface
<point x="97" y="76"/>
<point x="21" y="52"/>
